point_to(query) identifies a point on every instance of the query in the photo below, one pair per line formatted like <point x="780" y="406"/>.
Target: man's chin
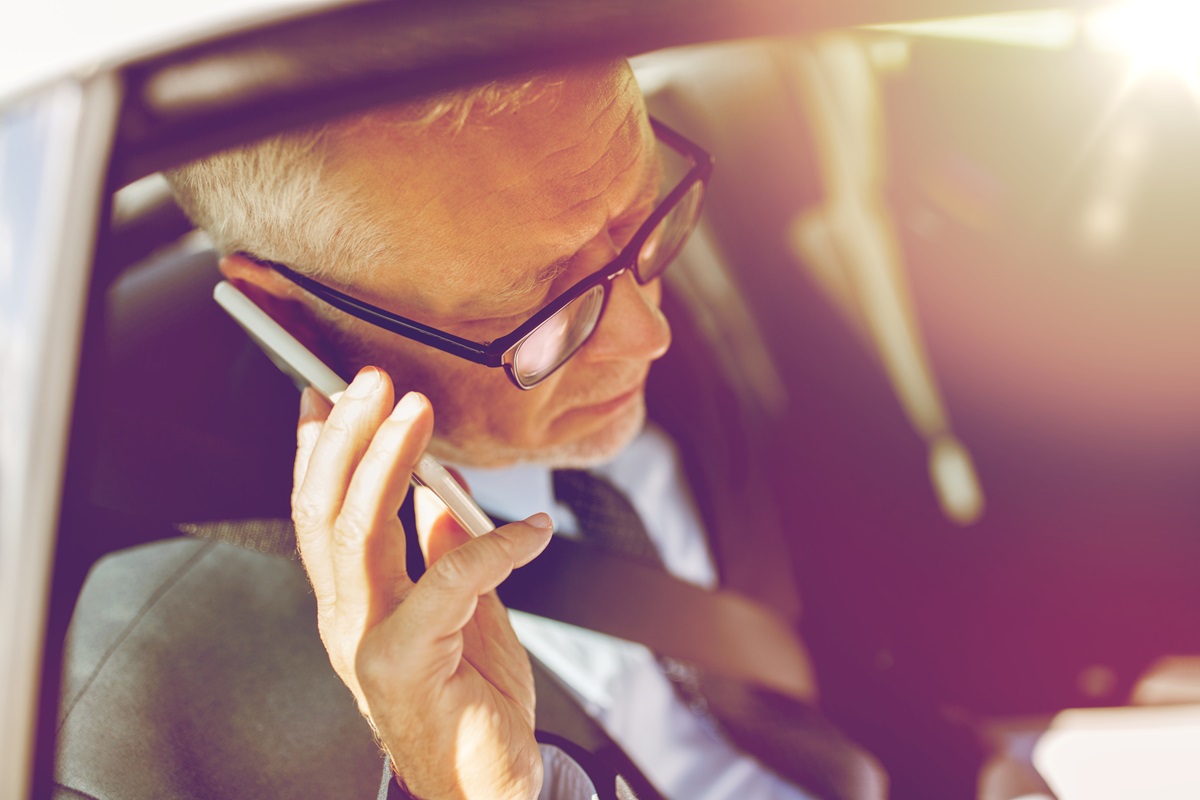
<point x="590" y="450"/>
<point x="599" y="447"/>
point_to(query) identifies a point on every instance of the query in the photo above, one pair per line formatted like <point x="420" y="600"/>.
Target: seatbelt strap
<point x="563" y="722"/>
<point x="723" y="632"/>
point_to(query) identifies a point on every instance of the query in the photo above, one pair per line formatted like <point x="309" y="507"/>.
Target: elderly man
<point x="521" y="226"/>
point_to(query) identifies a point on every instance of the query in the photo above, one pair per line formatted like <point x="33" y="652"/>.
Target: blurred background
<point x="990" y="346"/>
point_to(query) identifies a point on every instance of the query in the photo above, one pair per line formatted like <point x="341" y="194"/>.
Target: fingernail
<point x="408" y="407"/>
<point x="541" y="521"/>
<point x="365" y="383"/>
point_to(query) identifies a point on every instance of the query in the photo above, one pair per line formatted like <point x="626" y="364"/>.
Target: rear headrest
<point x="196" y="423"/>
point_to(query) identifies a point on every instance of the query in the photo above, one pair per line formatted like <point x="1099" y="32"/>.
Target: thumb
<point x="446" y="596"/>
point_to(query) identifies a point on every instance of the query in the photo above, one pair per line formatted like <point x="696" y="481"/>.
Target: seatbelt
<point x="563" y="722"/>
<point x="785" y="735"/>
<point x="721" y="631"/>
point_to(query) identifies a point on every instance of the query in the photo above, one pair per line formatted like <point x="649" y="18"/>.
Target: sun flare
<point x="1158" y="37"/>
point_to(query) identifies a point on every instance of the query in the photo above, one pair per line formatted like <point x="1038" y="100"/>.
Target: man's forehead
<point x="481" y="215"/>
<point x="559" y="210"/>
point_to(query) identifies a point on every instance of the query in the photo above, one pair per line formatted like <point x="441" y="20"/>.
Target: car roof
<point x="46" y="40"/>
<point x="42" y="41"/>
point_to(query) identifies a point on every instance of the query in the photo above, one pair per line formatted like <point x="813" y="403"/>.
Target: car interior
<point x="985" y="417"/>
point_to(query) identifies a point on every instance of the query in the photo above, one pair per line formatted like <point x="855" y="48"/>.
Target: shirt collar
<point x="514" y="493"/>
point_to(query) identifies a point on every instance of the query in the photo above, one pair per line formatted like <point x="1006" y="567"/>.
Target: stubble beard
<point x="594" y="449"/>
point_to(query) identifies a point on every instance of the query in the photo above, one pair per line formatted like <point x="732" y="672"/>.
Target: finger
<point x="437" y="530"/>
<point x="343" y="439"/>
<point x="368" y="549"/>
<point x="313" y="411"/>
<point x="447" y="595"/>
<point x="314" y="553"/>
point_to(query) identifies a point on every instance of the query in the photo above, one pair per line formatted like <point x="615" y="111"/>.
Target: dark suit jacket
<point x="194" y="668"/>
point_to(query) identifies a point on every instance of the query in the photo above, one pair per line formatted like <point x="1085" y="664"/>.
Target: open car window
<point x="951" y="272"/>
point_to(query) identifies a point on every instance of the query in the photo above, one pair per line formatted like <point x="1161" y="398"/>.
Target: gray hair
<point x="268" y="199"/>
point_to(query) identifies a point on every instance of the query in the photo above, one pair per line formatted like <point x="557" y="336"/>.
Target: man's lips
<point x="614" y="403"/>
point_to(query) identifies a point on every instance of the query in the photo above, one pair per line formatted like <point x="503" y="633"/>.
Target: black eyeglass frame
<point x="501" y="352"/>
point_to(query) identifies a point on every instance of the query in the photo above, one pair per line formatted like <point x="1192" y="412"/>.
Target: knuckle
<point x="326" y="607"/>
<point x="472" y="564"/>
<point x="338" y="429"/>
<point x="454" y="568"/>
<point x="396" y="435"/>
<point x="385" y="675"/>
<point x="374" y="668"/>
<point x="386" y="446"/>
<point x="306" y="514"/>
<point x="349" y="530"/>
<point x="307" y="433"/>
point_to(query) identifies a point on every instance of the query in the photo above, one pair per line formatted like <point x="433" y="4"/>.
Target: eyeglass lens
<point x="667" y="238"/>
<point x="557" y="339"/>
<point x="553" y="342"/>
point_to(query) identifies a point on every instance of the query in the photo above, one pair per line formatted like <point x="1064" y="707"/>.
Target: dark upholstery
<point x="176" y="640"/>
<point x="195" y="423"/>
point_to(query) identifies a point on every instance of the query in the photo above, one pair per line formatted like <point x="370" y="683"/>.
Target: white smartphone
<point x="306" y="369"/>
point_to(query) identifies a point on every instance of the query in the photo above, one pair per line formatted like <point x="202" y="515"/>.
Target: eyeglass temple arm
<point x="491" y="356"/>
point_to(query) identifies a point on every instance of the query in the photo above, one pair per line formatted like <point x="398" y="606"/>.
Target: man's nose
<point x="632" y="328"/>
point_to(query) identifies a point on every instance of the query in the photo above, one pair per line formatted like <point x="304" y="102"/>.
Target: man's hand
<point x="435" y="664"/>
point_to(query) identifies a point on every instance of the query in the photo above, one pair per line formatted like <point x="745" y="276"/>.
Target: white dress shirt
<point x="620" y="683"/>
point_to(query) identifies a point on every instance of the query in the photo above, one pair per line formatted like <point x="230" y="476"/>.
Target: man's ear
<point x="286" y="302"/>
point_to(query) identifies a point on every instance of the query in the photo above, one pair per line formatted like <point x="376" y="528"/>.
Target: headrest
<point x="195" y="423"/>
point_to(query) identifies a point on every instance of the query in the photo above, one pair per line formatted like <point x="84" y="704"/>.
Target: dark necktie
<point x="606" y="517"/>
<point x="788" y="736"/>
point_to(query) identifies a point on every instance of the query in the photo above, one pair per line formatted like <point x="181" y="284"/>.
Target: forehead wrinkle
<point x="617" y="175"/>
<point x="528" y="192"/>
<point x="525" y="191"/>
<point x="523" y="283"/>
<point x="519" y="284"/>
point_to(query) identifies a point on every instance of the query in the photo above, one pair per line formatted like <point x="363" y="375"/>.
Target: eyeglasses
<point x="549" y="338"/>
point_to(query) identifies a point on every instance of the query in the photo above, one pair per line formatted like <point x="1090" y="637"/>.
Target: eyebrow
<point x="542" y="277"/>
